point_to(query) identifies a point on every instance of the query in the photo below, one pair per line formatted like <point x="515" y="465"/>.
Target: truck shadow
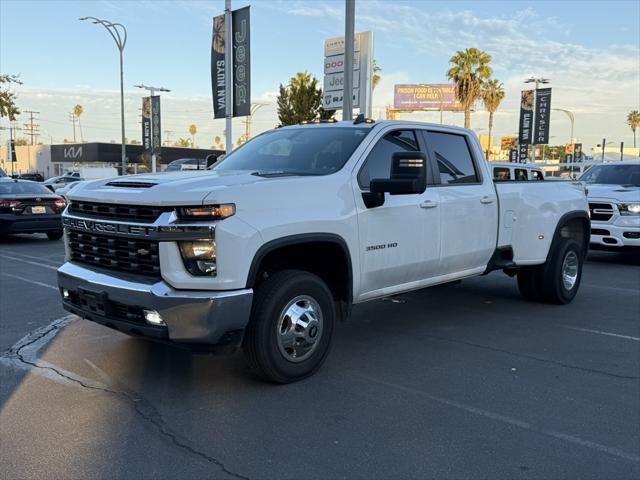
<point x="620" y="258"/>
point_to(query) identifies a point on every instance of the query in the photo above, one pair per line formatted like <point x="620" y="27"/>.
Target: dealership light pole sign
<point x="362" y="73"/>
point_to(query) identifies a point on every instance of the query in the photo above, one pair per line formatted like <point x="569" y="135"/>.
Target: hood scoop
<point x="130" y="184"/>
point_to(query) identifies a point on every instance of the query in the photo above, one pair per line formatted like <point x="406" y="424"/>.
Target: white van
<point x="93" y="173"/>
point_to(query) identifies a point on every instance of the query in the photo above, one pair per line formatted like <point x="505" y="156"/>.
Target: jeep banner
<point x="543" y="115"/>
<point x="146" y="123"/>
<point x="240" y="64"/>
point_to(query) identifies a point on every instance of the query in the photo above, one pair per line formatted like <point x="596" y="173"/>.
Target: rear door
<point x="468" y="203"/>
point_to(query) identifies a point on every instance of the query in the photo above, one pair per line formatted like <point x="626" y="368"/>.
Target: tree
<point x="469" y="69"/>
<point x="217" y="143"/>
<point x="8" y="106"/>
<point x="182" y="142"/>
<point x="299" y="100"/>
<point x="192" y="131"/>
<point x="20" y="142"/>
<point x="633" y="120"/>
<point x="492" y="94"/>
<point x="375" y="80"/>
<point x="77" y="111"/>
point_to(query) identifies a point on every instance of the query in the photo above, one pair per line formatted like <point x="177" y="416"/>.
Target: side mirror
<point x="408" y="175"/>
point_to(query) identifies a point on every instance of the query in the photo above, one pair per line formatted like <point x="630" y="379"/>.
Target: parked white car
<point x="63" y="191"/>
<point x="55" y="183"/>
<point x="614" y="203"/>
<point x="276" y="243"/>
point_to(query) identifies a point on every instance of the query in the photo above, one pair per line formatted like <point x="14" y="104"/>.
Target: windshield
<point x="16" y="188"/>
<point x="614" y="174"/>
<point x="297" y="151"/>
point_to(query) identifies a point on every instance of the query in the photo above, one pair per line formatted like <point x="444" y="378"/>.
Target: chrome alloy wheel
<point x="299" y="328"/>
<point x="570" y="267"/>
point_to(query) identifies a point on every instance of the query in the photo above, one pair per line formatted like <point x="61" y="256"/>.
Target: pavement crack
<point x="145" y="409"/>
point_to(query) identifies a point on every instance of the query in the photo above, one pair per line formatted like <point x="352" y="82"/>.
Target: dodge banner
<point x="543" y="115"/>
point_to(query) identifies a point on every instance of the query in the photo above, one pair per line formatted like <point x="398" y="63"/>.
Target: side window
<point x="453" y="157"/>
<point x="536" y="175"/>
<point x="501" y="174"/>
<point x="378" y="163"/>
<point x="521" y="175"/>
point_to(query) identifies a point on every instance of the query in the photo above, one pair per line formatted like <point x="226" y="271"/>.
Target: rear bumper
<point x="193" y="319"/>
<point x="29" y="224"/>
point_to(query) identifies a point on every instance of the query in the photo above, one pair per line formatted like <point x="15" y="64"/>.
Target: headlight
<point x="207" y="212"/>
<point x="629" y="208"/>
<point x="199" y="256"/>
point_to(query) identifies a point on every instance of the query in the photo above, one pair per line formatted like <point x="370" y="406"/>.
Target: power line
<point x="32" y="128"/>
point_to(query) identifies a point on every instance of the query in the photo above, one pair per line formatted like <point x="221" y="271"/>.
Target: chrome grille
<point x="113" y="211"/>
<point x="601" y="212"/>
<point x="115" y="253"/>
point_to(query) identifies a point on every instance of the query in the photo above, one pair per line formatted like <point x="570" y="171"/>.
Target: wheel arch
<point x="575" y="224"/>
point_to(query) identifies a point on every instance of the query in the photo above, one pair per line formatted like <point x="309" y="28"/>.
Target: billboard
<point x="507" y="143"/>
<point x="425" y="96"/>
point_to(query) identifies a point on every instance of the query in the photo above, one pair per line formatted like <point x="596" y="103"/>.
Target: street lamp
<point x="152" y="92"/>
<point x="537" y="81"/>
<point x="571" y="118"/>
<point x="121" y="40"/>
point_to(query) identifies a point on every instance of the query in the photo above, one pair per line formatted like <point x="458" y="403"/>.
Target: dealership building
<point x="53" y="160"/>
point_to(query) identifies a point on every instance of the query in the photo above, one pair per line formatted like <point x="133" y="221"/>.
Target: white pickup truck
<point x="614" y="202"/>
<point x="275" y="244"/>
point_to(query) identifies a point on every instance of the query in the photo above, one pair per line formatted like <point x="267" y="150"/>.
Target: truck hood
<point x="618" y="193"/>
<point x="181" y="188"/>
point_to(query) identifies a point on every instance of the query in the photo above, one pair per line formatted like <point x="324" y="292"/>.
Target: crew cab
<point x="274" y="244"/>
<point x="614" y="203"/>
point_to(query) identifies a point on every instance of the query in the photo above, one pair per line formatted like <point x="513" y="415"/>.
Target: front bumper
<point x="624" y="233"/>
<point x="197" y="319"/>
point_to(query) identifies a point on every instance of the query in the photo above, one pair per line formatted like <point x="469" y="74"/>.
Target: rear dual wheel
<point x="556" y="281"/>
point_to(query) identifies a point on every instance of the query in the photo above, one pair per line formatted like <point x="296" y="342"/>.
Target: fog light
<point x="153" y="317"/>
<point x="65" y="294"/>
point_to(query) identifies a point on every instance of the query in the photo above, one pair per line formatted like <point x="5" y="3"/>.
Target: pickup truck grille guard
<point x="124" y="246"/>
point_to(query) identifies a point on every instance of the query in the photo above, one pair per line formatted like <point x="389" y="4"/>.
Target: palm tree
<point x="77" y="111"/>
<point x="182" y="142"/>
<point x="192" y="131"/>
<point x="469" y="69"/>
<point x="633" y="120"/>
<point x="375" y="80"/>
<point x="492" y="94"/>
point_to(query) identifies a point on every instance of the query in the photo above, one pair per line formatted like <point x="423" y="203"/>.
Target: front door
<point x="400" y="240"/>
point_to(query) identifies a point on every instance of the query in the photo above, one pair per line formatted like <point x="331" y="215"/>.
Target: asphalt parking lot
<point x="463" y="381"/>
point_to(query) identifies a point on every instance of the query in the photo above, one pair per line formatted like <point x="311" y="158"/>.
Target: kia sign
<point x="424" y="96"/>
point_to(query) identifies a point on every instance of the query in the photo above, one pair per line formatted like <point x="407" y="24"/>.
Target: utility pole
<point x="604" y="142"/>
<point x="32" y="128"/>
<point x="72" y="117"/>
<point x="228" y="61"/>
<point x="167" y="135"/>
<point x="152" y="92"/>
<point x="349" y="27"/>
<point x="621" y="151"/>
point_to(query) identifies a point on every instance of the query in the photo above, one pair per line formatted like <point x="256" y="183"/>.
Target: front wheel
<point x="291" y="326"/>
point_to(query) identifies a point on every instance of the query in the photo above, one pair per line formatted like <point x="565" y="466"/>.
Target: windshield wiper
<point x="282" y="173"/>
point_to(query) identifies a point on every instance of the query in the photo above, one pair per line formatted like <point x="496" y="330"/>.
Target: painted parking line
<point x="34" y="282"/>
<point x="44" y="258"/>
<point x="29" y="262"/>
<point x="600" y="332"/>
<point x="576" y="440"/>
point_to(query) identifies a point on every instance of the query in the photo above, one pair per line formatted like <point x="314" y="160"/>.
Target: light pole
<point x="571" y="118"/>
<point x="536" y="81"/>
<point x="152" y="93"/>
<point x="121" y="40"/>
<point x="247" y="121"/>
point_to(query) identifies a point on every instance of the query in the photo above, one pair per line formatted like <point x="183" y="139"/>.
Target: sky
<point x="590" y="50"/>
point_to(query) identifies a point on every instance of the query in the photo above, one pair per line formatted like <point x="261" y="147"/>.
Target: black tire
<point x="262" y="346"/>
<point x="553" y="287"/>
<point x="54" y="235"/>
<point x="529" y="283"/>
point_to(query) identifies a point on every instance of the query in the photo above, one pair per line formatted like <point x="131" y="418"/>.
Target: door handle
<point x="428" y="204"/>
<point x="486" y="200"/>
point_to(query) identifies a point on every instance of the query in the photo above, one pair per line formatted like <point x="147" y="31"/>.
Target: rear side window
<point x="536" y="175"/>
<point x="378" y="163"/>
<point x="521" y="175"/>
<point x="501" y="174"/>
<point x="453" y="157"/>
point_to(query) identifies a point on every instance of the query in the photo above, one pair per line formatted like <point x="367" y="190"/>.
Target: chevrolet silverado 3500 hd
<point x="276" y="242"/>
